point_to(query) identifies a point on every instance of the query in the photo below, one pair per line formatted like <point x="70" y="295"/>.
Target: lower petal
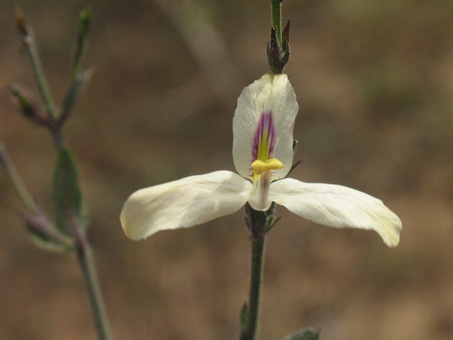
<point x="183" y="203"/>
<point x="337" y="206"/>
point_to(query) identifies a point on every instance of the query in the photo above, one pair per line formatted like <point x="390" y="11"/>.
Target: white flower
<point x="263" y="154"/>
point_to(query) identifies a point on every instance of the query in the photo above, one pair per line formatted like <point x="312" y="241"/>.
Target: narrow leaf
<point x="66" y="195"/>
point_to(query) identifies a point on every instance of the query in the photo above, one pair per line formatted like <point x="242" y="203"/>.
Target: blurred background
<point x="374" y="80"/>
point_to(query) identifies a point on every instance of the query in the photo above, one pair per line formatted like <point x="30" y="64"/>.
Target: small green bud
<point x="84" y="22"/>
<point x="30" y="107"/>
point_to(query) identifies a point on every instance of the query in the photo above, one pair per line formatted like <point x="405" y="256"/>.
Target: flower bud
<point x="278" y="53"/>
<point x="29" y="105"/>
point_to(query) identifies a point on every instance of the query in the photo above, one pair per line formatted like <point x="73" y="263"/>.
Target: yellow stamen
<point x="259" y="166"/>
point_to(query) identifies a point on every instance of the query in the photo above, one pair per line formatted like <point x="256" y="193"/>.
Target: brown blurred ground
<point x="374" y="80"/>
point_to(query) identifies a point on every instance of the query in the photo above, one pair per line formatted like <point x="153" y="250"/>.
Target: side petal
<point x="337" y="206"/>
<point x="272" y="94"/>
<point x="183" y="203"/>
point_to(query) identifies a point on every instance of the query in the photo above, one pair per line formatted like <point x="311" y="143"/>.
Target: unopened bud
<point x="20" y="22"/>
<point x="84" y="22"/>
<point x="29" y="105"/>
<point x="278" y="53"/>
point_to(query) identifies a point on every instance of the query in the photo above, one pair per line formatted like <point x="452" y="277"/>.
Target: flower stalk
<point x="258" y="223"/>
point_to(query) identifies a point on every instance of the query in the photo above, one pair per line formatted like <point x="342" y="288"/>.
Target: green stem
<point x="276" y="6"/>
<point x="88" y="267"/>
<point x="257" y="263"/>
<point x="16" y="181"/>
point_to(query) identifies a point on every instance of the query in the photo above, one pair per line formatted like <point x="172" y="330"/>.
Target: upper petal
<point x="183" y="203"/>
<point x="337" y="206"/>
<point x="269" y="103"/>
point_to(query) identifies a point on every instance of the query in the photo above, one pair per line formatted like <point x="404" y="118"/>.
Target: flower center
<point x="259" y="166"/>
<point x="262" y="178"/>
<point x="263" y="162"/>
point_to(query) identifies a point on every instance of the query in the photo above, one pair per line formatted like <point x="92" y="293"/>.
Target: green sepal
<point x="67" y="200"/>
<point x="304" y="334"/>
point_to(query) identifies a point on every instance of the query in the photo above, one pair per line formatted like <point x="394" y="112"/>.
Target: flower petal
<point x="272" y="94"/>
<point x="183" y="203"/>
<point x="337" y="206"/>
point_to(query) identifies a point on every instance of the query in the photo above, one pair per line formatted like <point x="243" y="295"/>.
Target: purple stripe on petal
<point x="265" y="129"/>
<point x="271" y="135"/>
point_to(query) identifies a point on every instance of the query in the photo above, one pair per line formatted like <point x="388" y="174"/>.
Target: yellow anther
<point x="259" y="166"/>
